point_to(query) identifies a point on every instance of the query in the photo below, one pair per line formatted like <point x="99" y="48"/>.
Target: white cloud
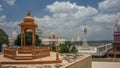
<point x="109" y="5"/>
<point x="64" y="8"/>
<point x="2" y="19"/>
<point x="8" y="27"/>
<point x="105" y="18"/>
<point x="1" y="7"/>
<point x="10" y="2"/>
<point x="66" y="19"/>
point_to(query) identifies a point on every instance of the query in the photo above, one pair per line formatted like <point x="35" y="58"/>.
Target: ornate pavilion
<point x="28" y="52"/>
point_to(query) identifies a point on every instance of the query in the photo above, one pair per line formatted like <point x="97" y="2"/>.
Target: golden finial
<point x="28" y="14"/>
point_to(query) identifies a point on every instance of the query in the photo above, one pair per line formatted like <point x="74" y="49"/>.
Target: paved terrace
<point x="105" y="64"/>
<point x="52" y="57"/>
<point x="68" y="60"/>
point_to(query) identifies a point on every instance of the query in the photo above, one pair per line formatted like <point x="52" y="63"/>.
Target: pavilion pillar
<point x="107" y="55"/>
<point x="24" y="34"/>
<point x="21" y="37"/>
<point x="57" y="50"/>
<point x="33" y="37"/>
<point x="0" y="65"/>
<point x="114" y="55"/>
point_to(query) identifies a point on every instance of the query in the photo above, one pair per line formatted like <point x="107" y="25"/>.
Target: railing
<point x="41" y="52"/>
<point x="36" y="52"/>
<point x="25" y="49"/>
<point x="10" y="52"/>
<point x="84" y="62"/>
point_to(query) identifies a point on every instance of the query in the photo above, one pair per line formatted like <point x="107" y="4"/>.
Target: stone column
<point x="85" y="44"/>
<point x="114" y="55"/>
<point x="24" y="34"/>
<point x="33" y="37"/>
<point x="107" y="55"/>
<point x="51" y="45"/>
<point x="57" y="49"/>
<point x="0" y="65"/>
<point x="21" y="37"/>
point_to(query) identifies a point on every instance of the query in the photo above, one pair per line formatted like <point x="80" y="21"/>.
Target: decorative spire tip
<point x="28" y="14"/>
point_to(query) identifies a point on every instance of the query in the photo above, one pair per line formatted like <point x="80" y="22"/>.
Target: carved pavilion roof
<point x="28" y="20"/>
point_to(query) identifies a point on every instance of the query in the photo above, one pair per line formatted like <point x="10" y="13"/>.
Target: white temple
<point x="39" y="32"/>
<point x="13" y="37"/>
<point x="78" y="39"/>
<point x="85" y="44"/>
<point x="52" y="37"/>
<point x="92" y="50"/>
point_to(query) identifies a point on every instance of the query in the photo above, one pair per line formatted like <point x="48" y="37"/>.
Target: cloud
<point x="105" y="18"/>
<point x="64" y="8"/>
<point x="10" y="2"/>
<point x="66" y="19"/>
<point x="109" y="5"/>
<point x="2" y="19"/>
<point x="1" y="7"/>
<point x="8" y="27"/>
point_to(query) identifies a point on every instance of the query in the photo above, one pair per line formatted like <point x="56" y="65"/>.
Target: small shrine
<point x="30" y="52"/>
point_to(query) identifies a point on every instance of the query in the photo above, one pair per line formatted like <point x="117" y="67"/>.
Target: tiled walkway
<point x="105" y="64"/>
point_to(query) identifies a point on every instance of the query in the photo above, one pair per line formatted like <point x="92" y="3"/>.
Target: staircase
<point x="21" y="56"/>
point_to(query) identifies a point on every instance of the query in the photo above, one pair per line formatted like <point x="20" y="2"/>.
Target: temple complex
<point x="88" y="49"/>
<point x="115" y="51"/>
<point x="33" y="56"/>
<point x="52" y="38"/>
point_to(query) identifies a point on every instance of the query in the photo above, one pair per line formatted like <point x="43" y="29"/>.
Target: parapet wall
<point x="84" y="62"/>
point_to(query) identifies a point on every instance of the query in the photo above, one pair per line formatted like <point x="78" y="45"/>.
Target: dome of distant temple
<point x="14" y="33"/>
<point x="52" y="35"/>
<point x="117" y="25"/>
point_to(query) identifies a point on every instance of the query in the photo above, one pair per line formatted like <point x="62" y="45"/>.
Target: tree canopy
<point x="3" y="38"/>
<point x="67" y="47"/>
<point x="28" y="39"/>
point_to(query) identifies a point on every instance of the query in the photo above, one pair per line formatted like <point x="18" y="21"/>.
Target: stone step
<point x="23" y="57"/>
<point x="24" y="54"/>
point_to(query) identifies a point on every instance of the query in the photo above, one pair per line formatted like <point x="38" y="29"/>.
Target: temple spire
<point x="28" y="14"/>
<point x="85" y="36"/>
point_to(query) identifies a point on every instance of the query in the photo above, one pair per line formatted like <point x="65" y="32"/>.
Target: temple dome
<point x="117" y="25"/>
<point x="28" y="21"/>
<point x="14" y="33"/>
<point x="52" y="35"/>
<point x="28" y="18"/>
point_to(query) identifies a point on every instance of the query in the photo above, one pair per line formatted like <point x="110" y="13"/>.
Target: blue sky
<point x="64" y="17"/>
<point x="18" y="9"/>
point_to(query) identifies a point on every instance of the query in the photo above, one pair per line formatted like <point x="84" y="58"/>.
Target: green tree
<point x="67" y="47"/>
<point x="28" y="39"/>
<point x="3" y="38"/>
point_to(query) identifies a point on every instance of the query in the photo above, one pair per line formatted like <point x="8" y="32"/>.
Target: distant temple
<point x="116" y="44"/>
<point x="85" y="44"/>
<point x="52" y="38"/>
<point x="92" y="49"/>
<point x="13" y="37"/>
